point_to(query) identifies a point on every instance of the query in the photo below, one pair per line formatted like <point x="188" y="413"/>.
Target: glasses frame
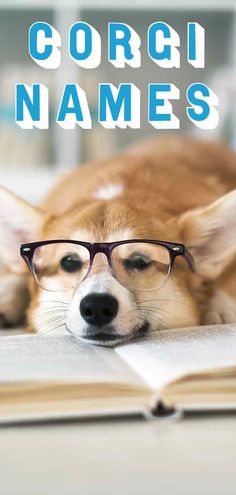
<point x="175" y="249"/>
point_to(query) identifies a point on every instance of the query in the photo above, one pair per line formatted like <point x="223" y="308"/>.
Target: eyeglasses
<point x="137" y="264"/>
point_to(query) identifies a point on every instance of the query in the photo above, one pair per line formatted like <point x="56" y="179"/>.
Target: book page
<point x="60" y="358"/>
<point x="166" y="355"/>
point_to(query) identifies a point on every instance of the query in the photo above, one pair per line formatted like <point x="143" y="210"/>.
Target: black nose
<point x="98" y="309"/>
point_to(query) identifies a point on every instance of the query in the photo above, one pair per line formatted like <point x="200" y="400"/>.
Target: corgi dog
<point x="139" y="242"/>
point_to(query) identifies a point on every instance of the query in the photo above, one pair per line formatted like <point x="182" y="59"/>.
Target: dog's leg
<point x="221" y="309"/>
<point x="222" y="305"/>
<point x="14" y="298"/>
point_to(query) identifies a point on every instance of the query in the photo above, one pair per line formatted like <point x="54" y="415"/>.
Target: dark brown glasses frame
<point x="175" y="249"/>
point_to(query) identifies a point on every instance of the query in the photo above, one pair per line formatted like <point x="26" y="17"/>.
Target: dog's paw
<point x="13" y="299"/>
<point x="221" y="309"/>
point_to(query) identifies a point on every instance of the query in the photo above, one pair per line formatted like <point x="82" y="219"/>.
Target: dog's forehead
<point x="104" y="222"/>
<point x="93" y="236"/>
<point x="107" y="221"/>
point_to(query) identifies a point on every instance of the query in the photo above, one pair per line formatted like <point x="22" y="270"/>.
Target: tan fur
<point x="162" y="182"/>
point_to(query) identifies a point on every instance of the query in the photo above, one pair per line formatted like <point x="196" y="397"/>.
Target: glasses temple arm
<point x="189" y="258"/>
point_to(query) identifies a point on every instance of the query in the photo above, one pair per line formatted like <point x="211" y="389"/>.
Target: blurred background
<point x="31" y="160"/>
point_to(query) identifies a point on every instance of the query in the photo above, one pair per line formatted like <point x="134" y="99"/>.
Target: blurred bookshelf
<point x="50" y="151"/>
<point x="117" y="4"/>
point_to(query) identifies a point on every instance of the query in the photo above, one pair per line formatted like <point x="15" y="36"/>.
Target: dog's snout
<point x="98" y="309"/>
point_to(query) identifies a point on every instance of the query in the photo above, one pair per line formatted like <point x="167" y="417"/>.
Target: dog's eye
<point x="137" y="262"/>
<point x="71" y="263"/>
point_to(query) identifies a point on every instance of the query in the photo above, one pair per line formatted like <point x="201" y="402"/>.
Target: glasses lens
<point x="142" y="266"/>
<point x="60" y="266"/>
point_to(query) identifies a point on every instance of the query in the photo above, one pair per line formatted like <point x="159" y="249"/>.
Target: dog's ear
<point x="210" y="235"/>
<point x="20" y="222"/>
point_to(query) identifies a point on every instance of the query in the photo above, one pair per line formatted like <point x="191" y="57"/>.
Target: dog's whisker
<point x="158" y="315"/>
<point x="40" y="314"/>
<point x="179" y="301"/>
<point x="64" y="303"/>
<point x="155" y="310"/>
<point x="151" y="309"/>
<point x="50" y="315"/>
<point x="52" y="329"/>
<point x="166" y="317"/>
<point x="169" y="316"/>
<point x="42" y="324"/>
<point x="54" y="303"/>
<point x="153" y="319"/>
<point x="54" y="323"/>
<point x="157" y="321"/>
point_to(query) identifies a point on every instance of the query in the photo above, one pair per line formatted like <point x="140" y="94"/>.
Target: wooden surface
<point x="133" y="457"/>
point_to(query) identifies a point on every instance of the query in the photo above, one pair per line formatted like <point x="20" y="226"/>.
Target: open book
<point x="56" y="376"/>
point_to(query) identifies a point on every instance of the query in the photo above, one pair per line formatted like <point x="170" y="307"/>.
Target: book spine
<point x="160" y="410"/>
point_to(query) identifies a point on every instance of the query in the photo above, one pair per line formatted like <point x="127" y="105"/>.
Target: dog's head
<point x="101" y="309"/>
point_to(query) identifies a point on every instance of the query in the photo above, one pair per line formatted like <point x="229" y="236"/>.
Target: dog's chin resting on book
<point x="171" y="189"/>
<point x="50" y="376"/>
